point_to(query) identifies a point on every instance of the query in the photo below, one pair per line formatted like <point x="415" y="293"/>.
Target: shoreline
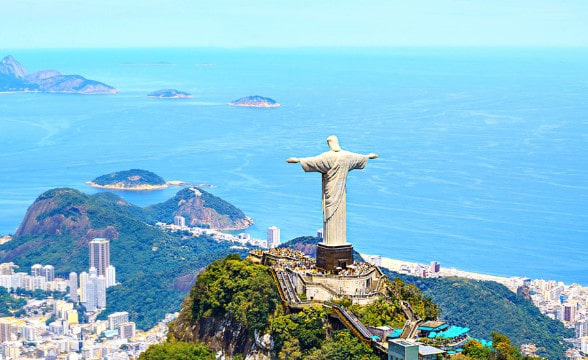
<point x="407" y="267"/>
<point x="146" y="187"/>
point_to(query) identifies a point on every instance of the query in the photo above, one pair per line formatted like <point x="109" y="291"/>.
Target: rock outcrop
<point x="60" y="212"/>
<point x="202" y="209"/>
<point x="169" y="94"/>
<point x="15" y="78"/>
<point x="255" y="101"/>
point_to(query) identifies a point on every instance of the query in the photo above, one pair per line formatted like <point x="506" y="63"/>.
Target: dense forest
<point x="155" y="268"/>
<point x="129" y="178"/>
<point x="486" y="307"/>
<point x="237" y="291"/>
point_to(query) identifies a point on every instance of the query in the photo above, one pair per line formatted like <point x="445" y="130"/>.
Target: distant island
<point x="15" y="78"/>
<point x="134" y="179"/>
<point x="255" y="101"/>
<point x="169" y="94"/>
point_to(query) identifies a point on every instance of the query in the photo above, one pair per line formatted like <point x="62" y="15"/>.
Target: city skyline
<point x="228" y="23"/>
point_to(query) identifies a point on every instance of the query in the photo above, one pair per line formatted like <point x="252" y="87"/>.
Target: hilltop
<point x="200" y="208"/>
<point x="134" y="179"/>
<point x="155" y="268"/>
<point x="15" y="78"/>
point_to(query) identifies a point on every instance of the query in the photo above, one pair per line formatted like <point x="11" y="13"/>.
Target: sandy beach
<point x="412" y="268"/>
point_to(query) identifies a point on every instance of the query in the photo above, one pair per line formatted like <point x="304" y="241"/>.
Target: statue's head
<point x="333" y="143"/>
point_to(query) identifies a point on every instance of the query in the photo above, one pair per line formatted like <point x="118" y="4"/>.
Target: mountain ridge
<point x="14" y="77"/>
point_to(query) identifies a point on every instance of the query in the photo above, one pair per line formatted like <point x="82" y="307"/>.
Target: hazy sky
<point x="288" y="23"/>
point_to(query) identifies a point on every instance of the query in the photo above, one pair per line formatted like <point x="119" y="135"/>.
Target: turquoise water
<point x="482" y="152"/>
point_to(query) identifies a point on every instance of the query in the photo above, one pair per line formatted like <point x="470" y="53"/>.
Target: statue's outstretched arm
<point x="293" y="160"/>
<point x="372" y="156"/>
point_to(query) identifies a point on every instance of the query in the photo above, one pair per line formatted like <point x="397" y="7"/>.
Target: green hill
<point x="487" y="306"/>
<point x="200" y="208"/>
<point x="129" y="179"/>
<point x="155" y="268"/>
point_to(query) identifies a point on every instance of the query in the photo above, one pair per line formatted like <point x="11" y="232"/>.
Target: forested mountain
<point x="155" y="268"/>
<point x="487" y="306"/>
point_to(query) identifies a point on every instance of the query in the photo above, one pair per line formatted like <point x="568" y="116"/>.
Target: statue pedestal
<point x="335" y="257"/>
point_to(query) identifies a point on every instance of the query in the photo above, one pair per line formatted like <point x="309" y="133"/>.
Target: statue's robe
<point x="334" y="166"/>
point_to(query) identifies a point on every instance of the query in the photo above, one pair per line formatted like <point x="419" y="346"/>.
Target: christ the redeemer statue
<point x="334" y="165"/>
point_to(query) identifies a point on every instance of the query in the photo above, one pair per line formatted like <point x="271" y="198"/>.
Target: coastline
<point x="121" y="186"/>
<point x="145" y="187"/>
<point x="407" y="267"/>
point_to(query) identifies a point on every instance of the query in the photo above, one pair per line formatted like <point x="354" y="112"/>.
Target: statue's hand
<point x="372" y="156"/>
<point x="292" y="160"/>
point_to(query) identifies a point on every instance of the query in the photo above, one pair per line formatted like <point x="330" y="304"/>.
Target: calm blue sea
<point x="482" y="166"/>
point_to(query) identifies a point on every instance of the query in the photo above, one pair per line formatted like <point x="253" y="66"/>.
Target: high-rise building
<point x="95" y="291"/>
<point x="73" y="286"/>
<point x="100" y="255"/>
<point x="117" y="318"/>
<point x="7" y="268"/>
<point x="37" y="270"/>
<point x="100" y="292"/>
<point x="180" y="221"/>
<point x="91" y="296"/>
<point x="569" y="312"/>
<point x="110" y="276"/>
<point x="434" y="267"/>
<point x="84" y="280"/>
<point x="49" y="272"/>
<point x="6" y="330"/>
<point x="126" y="330"/>
<point x="273" y="237"/>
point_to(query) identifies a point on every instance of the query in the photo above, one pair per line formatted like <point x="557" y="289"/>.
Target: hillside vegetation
<point x="155" y="268"/>
<point x="129" y="178"/>
<point x="199" y="208"/>
<point x="486" y="307"/>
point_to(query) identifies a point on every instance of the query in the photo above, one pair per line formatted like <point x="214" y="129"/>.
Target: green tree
<point x="290" y="350"/>
<point x="177" y="350"/>
<point x="344" y="346"/>
<point x="476" y="350"/>
<point x="504" y="349"/>
<point x="307" y="327"/>
<point x="238" y="288"/>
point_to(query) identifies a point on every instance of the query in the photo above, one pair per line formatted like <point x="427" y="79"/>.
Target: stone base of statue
<point x="335" y="257"/>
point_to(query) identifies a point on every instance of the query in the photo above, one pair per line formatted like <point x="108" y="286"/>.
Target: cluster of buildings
<point x="64" y="338"/>
<point x="566" y="303"/>
<point x="51" y="328"/>
<point x="40" y="278"/>
<point x="243" y="239"/>
<point x="89" y="288"/>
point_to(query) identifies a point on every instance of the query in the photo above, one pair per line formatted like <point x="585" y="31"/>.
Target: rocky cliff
<point x="228" y="307"/>
<point x="64" y="212"/>
<point x="14" y="78"/>
<point x="200" y="208"/>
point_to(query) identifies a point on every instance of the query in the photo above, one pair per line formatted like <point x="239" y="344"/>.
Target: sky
<point x="291" y="23"/>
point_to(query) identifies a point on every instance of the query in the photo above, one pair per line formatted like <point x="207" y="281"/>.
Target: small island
<point x="255" y="101"/>
<point x="15" y="78"/>
<point x="134" y="179"/>
<point x="169" y="94"/>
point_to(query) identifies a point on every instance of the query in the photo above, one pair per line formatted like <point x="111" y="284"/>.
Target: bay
<point x="482" y="161"/>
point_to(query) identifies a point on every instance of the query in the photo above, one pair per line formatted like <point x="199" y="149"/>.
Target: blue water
<point x="482" y="166"/>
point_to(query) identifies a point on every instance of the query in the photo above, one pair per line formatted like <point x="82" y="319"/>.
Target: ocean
<point x="482" y="152"/>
